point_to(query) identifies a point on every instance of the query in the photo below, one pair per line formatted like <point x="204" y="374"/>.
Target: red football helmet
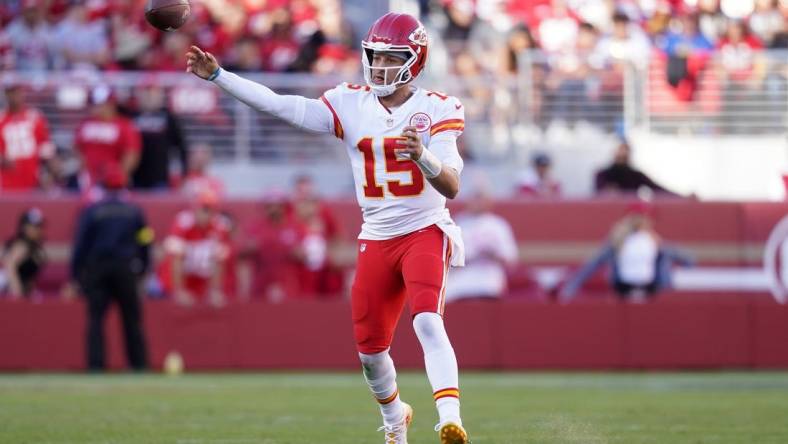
<point x="395" y="33"/>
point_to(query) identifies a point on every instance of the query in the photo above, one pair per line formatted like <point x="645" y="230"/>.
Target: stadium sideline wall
<point x="677" y="332"/>
<point x="727" y="329"/>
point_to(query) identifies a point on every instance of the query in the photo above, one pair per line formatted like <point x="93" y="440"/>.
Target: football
<point x="167" y="15"/>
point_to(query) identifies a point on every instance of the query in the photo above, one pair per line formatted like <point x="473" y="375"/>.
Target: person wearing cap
<point x="24" y="143"/>
<point x="106" y="138"/>
<point x="197" y="249"/>
<point x="639" y="261"/>
<point x="538" y="181"/>
<point x="111" y="254"/>
<point x="23" y="255"/>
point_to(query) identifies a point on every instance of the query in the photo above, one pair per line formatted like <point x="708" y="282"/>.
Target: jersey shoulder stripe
<point x="339" y="132"/>
<point x="447" y="125"/>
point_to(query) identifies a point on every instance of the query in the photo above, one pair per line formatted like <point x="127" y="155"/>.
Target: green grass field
<point x="337" y="409"/>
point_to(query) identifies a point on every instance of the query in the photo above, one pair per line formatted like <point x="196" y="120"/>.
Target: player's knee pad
<point x="374" y="358"/>
<point x="430" y="331"/>
<point x="377" y="366"/>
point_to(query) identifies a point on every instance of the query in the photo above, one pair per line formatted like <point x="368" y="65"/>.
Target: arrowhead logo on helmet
<point x="419" y="36"/>
<point x="395" y="33"/>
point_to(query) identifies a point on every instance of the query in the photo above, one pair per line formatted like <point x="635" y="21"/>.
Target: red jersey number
<point x="393" y="165"/>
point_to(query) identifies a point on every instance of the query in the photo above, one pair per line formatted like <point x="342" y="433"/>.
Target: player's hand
<point x="184" y="298"/>
<point x="200" y="63"/>
<point x="410" y="144"/>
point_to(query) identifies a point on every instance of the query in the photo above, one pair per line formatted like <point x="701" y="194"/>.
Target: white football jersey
<point x="394" y="195"/>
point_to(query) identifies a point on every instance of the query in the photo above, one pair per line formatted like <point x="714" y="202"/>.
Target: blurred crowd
<point x="287" y="248"/>
<point x="142" y="138"/>
<point x="248" y="35"/>
<point x="575" y="52"/>
<point x="573" y="55"/>
<point x="573" y="36"/>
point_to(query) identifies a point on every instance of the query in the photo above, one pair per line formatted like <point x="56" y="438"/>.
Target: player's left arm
<point x="440" y="161"/>
<point x="442" y="176"/>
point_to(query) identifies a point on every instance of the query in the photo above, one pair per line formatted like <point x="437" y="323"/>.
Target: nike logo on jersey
<point x="458" y="106"/>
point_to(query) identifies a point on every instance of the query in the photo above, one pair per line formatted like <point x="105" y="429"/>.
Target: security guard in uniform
<point x="111" y="254"/>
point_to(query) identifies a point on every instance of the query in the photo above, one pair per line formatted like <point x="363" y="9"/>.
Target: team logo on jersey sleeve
<point x="421" y="121"/>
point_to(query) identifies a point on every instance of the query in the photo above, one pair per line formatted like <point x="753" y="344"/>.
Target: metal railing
<point x="718" y="99"/>
<point x="506" y="114"/>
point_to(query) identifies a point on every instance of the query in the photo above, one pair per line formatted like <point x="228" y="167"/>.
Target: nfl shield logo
<point x="362" y="247"/>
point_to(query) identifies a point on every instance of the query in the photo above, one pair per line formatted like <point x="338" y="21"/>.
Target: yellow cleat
<point x="452" y="433"/>
<point x="398" y="433"/>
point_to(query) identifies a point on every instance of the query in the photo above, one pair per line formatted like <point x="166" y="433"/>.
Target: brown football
<point x="167" y="15"/>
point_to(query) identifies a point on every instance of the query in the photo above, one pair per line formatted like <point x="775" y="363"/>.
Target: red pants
<point x="411" y="268"/>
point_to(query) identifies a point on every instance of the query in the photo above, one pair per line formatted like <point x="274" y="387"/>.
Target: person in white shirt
<point x="402" y="144"/>
<point x="490" y="250"/>
<point x="639" y="262"/>
<point x="627" y="44"/>
<point x="30" y="38"/>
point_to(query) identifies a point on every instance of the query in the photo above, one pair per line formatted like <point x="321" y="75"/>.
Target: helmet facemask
<point x="393" y="76"/>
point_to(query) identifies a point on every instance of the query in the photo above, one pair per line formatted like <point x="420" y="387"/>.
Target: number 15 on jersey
<point x="373" y="189"/>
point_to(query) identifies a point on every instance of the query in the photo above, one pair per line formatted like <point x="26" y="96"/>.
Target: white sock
<point x="441" y="365"/>
<point x="381" y="377"/>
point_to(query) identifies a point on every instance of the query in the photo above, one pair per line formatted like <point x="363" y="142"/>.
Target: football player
<point x="402" y="144"/>
<point x="24" y="143"/>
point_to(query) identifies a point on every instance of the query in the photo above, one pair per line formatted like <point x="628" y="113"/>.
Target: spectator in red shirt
<point x="24" y="143"/>
<point x="319" y="237"/>
<point x="105" y="138"/>
<point x="267" y="262"/>
<point x="279" y="48"/>
<point x="196" y="251"/>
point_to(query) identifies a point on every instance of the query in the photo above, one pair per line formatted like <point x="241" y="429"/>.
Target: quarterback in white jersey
<point x="391" y="189"/>
<point x="402" y="144"/>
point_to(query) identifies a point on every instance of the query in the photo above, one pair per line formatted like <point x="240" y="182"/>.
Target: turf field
<point x="336" y="408"/>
